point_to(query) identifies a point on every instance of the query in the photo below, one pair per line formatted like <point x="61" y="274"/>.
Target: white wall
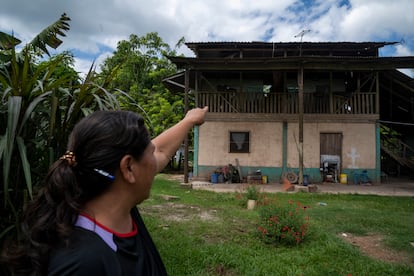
<point x="265" y="144"/>
<point x="266" y="141"/>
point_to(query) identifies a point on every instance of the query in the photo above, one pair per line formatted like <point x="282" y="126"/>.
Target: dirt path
<point x="373" y="246"/>
<point x="393" y="187"/>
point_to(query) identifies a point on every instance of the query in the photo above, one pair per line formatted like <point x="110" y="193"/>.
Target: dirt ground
<point x="371" y="245"/>
<point x="393" y="187"/>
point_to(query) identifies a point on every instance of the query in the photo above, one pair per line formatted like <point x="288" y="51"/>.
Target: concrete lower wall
<point x="266" y="148"/>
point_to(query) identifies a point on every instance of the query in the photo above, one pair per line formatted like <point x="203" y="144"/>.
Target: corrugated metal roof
<point x="256" y="49"/>
<point x="286" y="44"/>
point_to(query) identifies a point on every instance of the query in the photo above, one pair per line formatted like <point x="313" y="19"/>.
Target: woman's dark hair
<point x="98" y="142"/>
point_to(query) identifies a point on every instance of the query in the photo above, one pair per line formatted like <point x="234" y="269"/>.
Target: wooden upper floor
<point x="277" y="92"/>
<point x="263" y="78"/>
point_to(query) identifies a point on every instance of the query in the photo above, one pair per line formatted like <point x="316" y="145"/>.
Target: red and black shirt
<point x="93" y="249"/>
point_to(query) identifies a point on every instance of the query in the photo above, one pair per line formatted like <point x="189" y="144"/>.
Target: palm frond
<point x="7" y="41"/>
<point x="12" y="123"/>
<point x="25" y="164"/>
<point x="49" y="36"/>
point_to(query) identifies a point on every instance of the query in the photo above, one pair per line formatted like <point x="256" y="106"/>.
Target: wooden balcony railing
<point x="232" y="102"/>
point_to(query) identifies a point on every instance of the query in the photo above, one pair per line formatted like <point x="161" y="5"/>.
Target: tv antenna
<point x="302" y="33"/>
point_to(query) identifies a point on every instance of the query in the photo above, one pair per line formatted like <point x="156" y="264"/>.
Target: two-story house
<point x="311" y="109"/>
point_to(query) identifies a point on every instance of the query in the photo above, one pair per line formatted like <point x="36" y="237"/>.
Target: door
<point x="331" y="144"/>
<point x="330" y="155"/>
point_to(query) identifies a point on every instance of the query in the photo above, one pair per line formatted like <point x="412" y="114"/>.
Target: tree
<point x="143" y="65"/>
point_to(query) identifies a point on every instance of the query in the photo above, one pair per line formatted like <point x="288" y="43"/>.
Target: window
<point x="239" y="142"/>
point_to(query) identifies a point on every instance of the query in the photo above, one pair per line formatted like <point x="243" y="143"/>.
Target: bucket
<point x="214" y="178"/>
<point x="305" y="180"/>
<point x="343" y="178"/>
<point x="356" y="178"/>
<point x="364" y="177"/>
<point x="264" y="179"/>
<point x="251" y="203"/>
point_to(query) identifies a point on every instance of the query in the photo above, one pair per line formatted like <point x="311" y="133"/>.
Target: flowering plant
<point x="252" y="193"/>
<point x="285" y="224"/>
<point x="247" y="192"/>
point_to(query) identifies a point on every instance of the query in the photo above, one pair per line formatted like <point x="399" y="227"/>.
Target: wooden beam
<point x="293" y="63"/>
<point x="307" y="118"/>
<point x="377" y="98"/>
<point x="300" y="146"/>
<point x="186" y="91"/>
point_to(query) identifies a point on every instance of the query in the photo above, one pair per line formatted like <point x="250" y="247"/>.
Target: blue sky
<point x="97" y="25"/>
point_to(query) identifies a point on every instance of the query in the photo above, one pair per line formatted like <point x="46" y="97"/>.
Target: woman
<point x="84" y="221"/>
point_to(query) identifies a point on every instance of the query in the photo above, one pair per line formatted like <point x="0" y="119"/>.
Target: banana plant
<point x="24" y="88"/>
<point x="39" y="105"/>
<point x="93" y="93"/>
<point x="28" y="87"/>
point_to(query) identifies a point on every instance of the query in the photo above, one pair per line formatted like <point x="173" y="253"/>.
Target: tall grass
<point x="207" y="233"/>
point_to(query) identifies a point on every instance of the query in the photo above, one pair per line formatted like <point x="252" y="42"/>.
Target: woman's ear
<point x="126" y="169"/>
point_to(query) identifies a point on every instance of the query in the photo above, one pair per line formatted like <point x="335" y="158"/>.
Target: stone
<point x="169" y="197"/>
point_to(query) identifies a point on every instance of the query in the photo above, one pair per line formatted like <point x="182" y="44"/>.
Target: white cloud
<point x="97" y="25"/>
<point x="403" y="50"/>
<point x="82" y="66"/>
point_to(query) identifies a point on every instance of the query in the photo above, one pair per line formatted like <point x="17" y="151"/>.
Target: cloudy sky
<point x="97" y="25"/>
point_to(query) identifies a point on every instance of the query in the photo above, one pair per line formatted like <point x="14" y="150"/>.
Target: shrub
<point x="287" y="224"/>
<point x="252" y="193"/>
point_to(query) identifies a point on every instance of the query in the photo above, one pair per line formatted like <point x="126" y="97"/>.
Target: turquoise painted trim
<point x="285" y="145"/>
<point x="354" y="175"/>
<point x="314" y="174"/>
<point x="195" y="153"/>
<point x="274" y="175"/>
<point x="378" y="152"/>
<point x="316" y="177"/>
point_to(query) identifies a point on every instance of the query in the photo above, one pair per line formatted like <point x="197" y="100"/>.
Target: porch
<point x="364" y="103"/>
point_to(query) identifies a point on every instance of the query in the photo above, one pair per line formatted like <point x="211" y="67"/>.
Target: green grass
<point x="224" y="240"/>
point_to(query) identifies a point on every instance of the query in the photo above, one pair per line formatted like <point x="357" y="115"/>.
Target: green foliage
<point x="8" y="42"/>
<point x="24" y="88"/>
<point x="285" y="224"/>
<point x="252" y="192"/>
<point x="49" y="37"/>
<point x="40" y="103"/>
<point x="142" y="65"/>
<point x="142" y="62"/>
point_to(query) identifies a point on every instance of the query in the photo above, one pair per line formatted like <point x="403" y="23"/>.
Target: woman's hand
<point x="167" y="143"/>
<point x="196" y="116"/>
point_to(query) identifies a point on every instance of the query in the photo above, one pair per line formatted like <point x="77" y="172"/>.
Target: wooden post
<point x="331" y="107"/>
<point x="186" y="91"/>
<point x="300" y="95"/>
<point x="377" y="94"/>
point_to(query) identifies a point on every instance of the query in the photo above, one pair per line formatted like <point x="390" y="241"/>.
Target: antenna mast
<point x="301" y="34"/>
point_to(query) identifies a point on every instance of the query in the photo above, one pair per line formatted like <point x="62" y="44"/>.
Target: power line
<point x="396" y="123"/>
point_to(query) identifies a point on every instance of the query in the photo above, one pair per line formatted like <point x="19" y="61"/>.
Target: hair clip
<point x="69" y="156"/>
<point x="104" y="173"/>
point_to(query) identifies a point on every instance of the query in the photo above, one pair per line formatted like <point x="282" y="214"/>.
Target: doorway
<point x="330" y="156"/>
